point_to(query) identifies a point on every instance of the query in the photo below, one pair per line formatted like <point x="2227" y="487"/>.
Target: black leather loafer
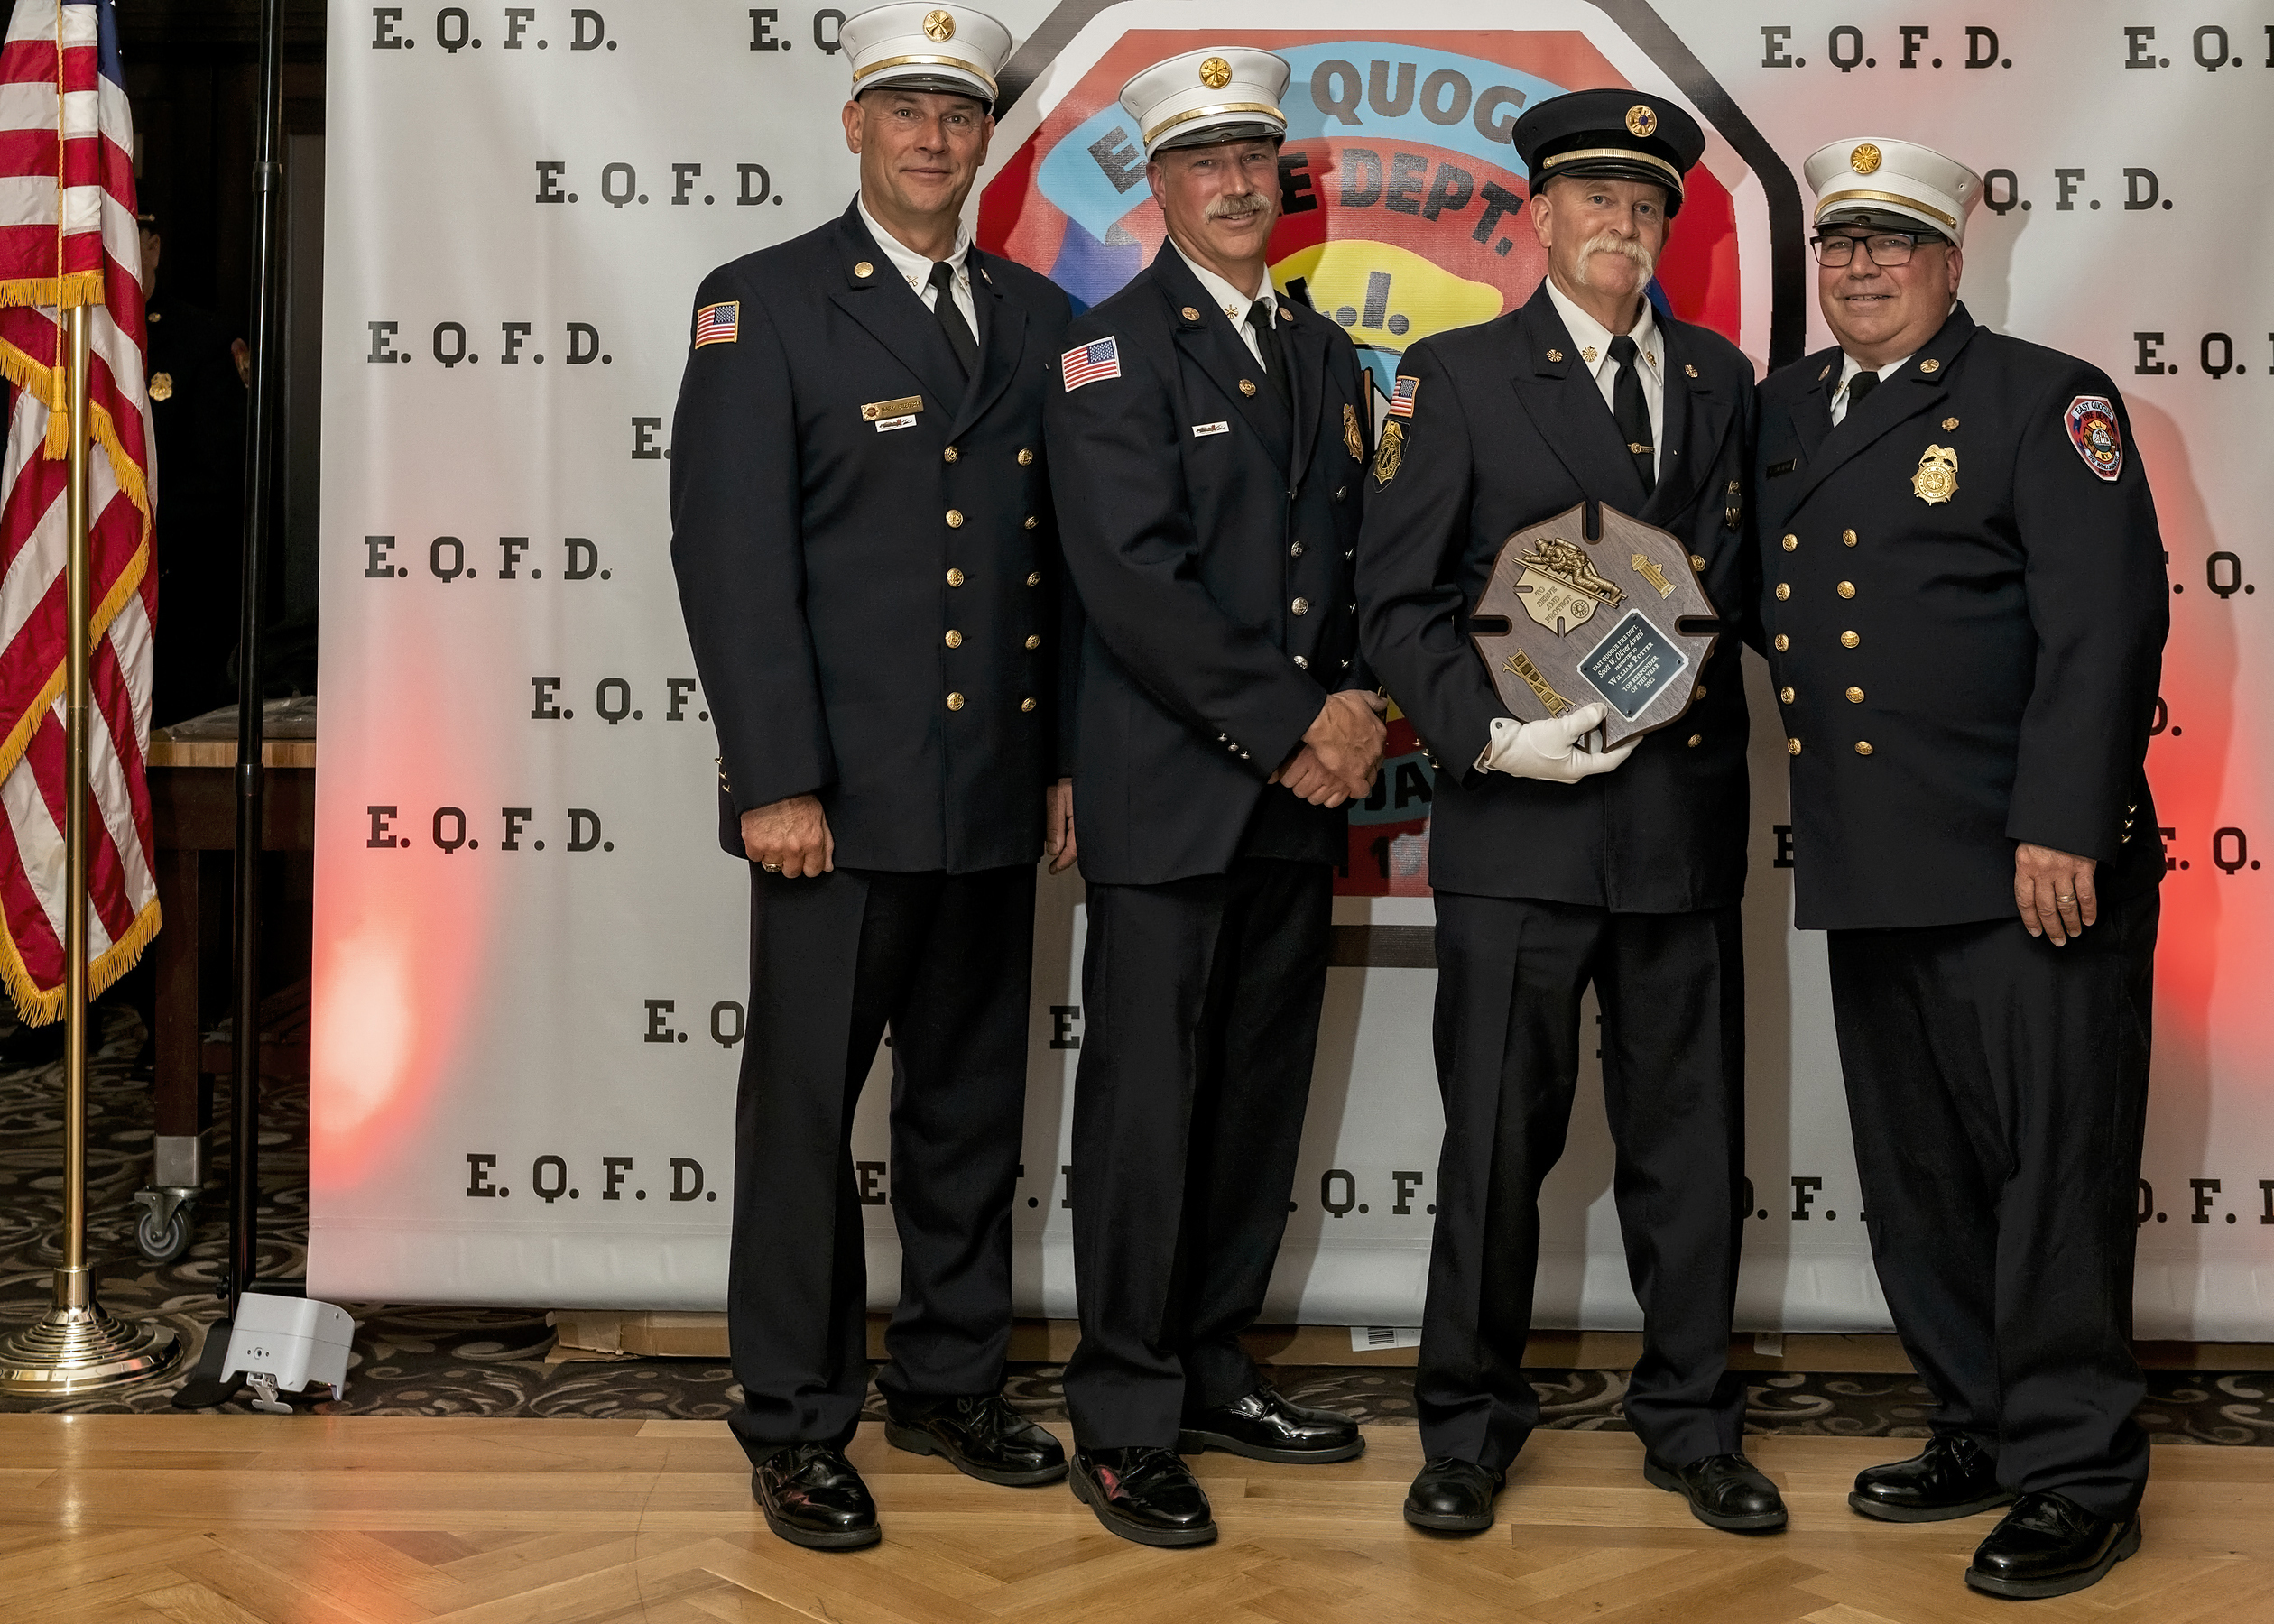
<point x="2050" y="1546"/>
<point x="1953" y="1477"/>
<point x="980" y="1437"/>
<point x="1264" y="1427"/>
<point x="1726" y="1492"/>
<point x="1147" y="1495"/>
<point x="1453" y="1496"/>
<point x="811" y="1496"/>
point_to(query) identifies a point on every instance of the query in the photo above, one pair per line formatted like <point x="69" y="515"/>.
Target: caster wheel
<point x="162" y="1243"/>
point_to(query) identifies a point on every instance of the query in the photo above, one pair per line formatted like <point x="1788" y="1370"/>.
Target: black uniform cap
<point x="1616" y="134"/>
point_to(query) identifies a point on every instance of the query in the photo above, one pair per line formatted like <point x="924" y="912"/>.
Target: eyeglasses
<point x="1888" y="248"/>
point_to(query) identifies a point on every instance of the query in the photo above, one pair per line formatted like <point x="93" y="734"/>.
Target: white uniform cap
<point x="918" y="46"/>
<point x="1226" y="93"/>
<point x="1875" y="180"/>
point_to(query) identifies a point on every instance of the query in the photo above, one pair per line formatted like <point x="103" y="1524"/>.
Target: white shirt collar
<point x="1228" y="298"/>
<point x="911" y="265"/>
<point x="1594" y="338"/>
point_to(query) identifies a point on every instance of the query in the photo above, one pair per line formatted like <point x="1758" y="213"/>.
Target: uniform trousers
<point x="1201" y="1001"/>
<point x="1998" y="1088"/>
<point x="944" y="961"/>
<point x="1511" y="972"/>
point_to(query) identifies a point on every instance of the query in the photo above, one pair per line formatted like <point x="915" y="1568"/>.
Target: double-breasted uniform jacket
<point x="1209" y="537"/>
<point x="866" y="555"/>
<point x="1508" y="428"/>
<point x="1966" y="620"/>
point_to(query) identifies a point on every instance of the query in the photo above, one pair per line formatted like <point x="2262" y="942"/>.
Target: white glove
<point x="1551" y="749"/>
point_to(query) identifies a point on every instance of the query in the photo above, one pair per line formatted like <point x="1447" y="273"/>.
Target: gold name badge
<point x="892" y="409"/>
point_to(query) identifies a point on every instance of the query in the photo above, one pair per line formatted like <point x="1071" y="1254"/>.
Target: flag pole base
<point x="81" y="1348"/>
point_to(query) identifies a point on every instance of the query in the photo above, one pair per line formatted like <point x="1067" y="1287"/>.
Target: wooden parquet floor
<point x="378" y="1520"/>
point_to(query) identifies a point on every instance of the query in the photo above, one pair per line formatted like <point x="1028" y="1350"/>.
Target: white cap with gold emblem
<point x="919" y="46"/>
<point x="1878" y="181"/>
<point x="1224" y="93"/>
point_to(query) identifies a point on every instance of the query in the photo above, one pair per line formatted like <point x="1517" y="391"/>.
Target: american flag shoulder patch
<point x="1402" y="396"/>
<point x="718" y="324"/>
<point x="1090" y="363"/>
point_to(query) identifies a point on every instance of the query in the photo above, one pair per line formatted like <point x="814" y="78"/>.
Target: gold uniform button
<point x="1026" y="457"/>
<point x="1301" y="606"/>
<point x="955" y="577"/>
<point x="1026" y="705"/>
<point x="1697" y="562"/>
<point x="949" y="455"/>
<point x="955" y="702"/>
<point x="1792" y="543"/>
<point x="1847" y="589"/>
<point x="1855" y="695"/>
<point x="1792" y="747"/>
<point x="1032" y="522"/>
<point x="1848" y="537"/>
<point x="954" y="639"/>
<point x="1785" y="694"/>
<point x="1784" y="591"/>
<point x="1035" y="579"/>
<point x="1033" y="642"/>
<point x="1783" y="643"/>
<point x="1700" y="694"/>
<point x="1696" y="740"/>
<point x="1863" y="747"/>
<point x="1848" y="640"/>
<point x="955" y="518"/>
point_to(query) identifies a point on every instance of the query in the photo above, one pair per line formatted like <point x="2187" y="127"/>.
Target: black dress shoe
<point x="1147" y="1495"/>
<point x="1953" y="1476"/>
<point x="811" y="1496"/>
<point x="1453" y="1496"/>
<point x="1726" y="1492"/>
<point x="1264" y="1427"/>
<point x="2048" y="1546"/>
<point x="982" y="1437"/>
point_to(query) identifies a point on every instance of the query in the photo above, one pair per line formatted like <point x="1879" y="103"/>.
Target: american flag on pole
<point x="67" y="237"/>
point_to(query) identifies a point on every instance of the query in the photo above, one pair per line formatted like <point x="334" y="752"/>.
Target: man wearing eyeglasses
<point x="1964" y="591"/>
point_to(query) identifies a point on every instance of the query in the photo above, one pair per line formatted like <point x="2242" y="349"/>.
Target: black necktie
<point x="951" y="319"/>
<point x="1859" y="388"/>
<point x="1632" y="414"/>
<point x="1267" y="341"/>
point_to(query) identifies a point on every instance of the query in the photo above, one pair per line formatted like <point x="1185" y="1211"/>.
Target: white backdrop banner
<point x="531" y="954"/>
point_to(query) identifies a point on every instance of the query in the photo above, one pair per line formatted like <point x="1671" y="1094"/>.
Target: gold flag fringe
<point x="37" y="1008"/>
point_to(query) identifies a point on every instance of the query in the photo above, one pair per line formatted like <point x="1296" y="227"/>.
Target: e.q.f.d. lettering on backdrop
<point x="531" y="961"/>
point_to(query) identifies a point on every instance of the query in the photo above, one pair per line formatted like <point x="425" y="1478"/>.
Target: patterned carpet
<point x="491" y="1362"/>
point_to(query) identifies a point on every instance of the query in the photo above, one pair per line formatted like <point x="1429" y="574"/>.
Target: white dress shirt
<point x="1848" y="369"/>
<point x="917" y="269"/>
<point x="1233" y="303"/>
<point x="1594" y="340"/>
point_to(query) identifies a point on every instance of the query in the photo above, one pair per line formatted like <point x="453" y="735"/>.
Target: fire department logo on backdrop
<point x="1402" y="217"/>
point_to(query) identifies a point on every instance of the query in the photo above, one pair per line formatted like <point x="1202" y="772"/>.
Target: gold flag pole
<point x="78" y="1347"/>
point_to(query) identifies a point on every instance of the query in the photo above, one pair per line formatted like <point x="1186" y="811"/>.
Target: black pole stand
<point x="212" y="1385"/>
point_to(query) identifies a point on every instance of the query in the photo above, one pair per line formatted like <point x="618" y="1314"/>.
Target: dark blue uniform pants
<point x="1511" y="972"/>
<point x="944" y="959"/>
<point x="1998" y="1087"/>
<point x="1200" y="1020"/>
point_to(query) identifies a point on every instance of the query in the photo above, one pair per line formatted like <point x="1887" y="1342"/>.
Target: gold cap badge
<point x="1640" y="120"/>
<point x="940" y="26"/>
<point x="1215" y="73"/>
<point x="1865" y="160"/>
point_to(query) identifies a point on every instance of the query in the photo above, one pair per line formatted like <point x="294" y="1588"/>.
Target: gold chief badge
<point x="1390" y="452"/>
<point x="1640" y="121"/>
<point x="1215" y="73"/>
<point x="940" y="26"/>
<point x="1352" y="441"/>
<point x="1936" y="480"/>
<point x="1865" y="160"/>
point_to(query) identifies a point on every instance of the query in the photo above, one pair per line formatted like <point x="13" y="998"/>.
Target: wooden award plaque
<point x="1601" y="620"/>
